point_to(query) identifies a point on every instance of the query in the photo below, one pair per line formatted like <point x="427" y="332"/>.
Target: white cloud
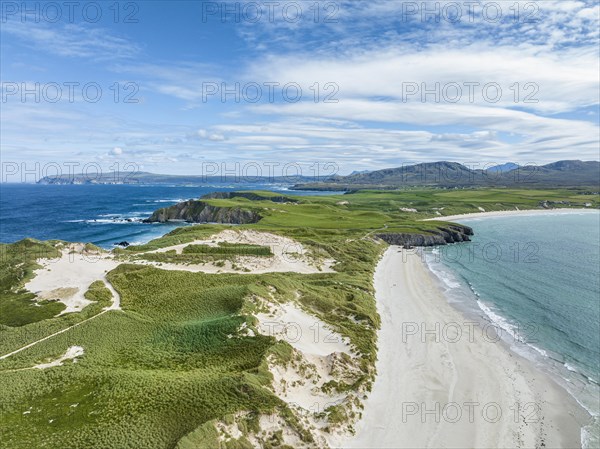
<point x="202" y="134"/>
<point x="558" y="81"/>
<point x="184" y="80"/>
<point x="72" y="40"/>
<point x="369" y="53"/>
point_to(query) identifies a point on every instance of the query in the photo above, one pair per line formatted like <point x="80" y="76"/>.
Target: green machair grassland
<point x="159" y="372"/>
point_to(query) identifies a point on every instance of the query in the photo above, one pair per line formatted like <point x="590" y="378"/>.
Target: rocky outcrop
<point x="440" y="236"/>
<point x="194" y="211"/>
<point x="252" y="196"/>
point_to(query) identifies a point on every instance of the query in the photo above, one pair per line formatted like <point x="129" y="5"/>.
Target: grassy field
<point x="159" y="372"/>
<point x="225" y="248"/>
<point x="17" y="263"/>
<point x="168" y="355"/>
<point x="365" y="212"/>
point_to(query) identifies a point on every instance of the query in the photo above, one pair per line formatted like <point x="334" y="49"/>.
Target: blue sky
<point x="370" y="60"/>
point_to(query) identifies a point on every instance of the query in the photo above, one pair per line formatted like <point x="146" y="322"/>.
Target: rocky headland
<point x="443" y="235"/>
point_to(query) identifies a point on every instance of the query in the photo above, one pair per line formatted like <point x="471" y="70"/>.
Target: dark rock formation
<point x="252" y="196"/>
<point x="194" y="211"/>
<point x="124" y="244"/>
<point x="441" y="236"/>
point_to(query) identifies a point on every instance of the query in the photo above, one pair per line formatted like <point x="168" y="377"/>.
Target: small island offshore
<point x="272" y="321"/>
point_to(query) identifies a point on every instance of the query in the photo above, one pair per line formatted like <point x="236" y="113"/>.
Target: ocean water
<point x="536" y="279"/>
<point x="100" y="214"/>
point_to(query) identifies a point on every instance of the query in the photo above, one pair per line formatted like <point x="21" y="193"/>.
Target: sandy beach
<point x="443" y="382"/>
<point x="508" y="213"/>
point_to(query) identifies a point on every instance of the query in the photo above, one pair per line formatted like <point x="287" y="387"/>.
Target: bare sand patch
<point x="68" y="278"/>
<point x="72" y="354"/>
<point x="304" y="332"/>
<point x="321" y="359"/>
<point x="288" y="255"/>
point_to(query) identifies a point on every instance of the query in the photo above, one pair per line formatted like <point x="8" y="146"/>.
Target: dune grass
<point x="233" y="249"/>
<point x="169" y="354"/>
<point x="150" y="374"/>
<point x="17" y="265"/>
<point x="161" y="371"/>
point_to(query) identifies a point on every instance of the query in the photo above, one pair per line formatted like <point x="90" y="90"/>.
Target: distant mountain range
<point x="435" y="174"/>
<point x="145" y="178"/>
<point x="503" y="167"/>
<point x="455" y="175"/>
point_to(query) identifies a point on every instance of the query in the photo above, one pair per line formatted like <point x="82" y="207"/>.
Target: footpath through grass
<point x="158" y="372"/>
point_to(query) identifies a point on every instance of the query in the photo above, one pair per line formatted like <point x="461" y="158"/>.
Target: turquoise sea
<point x="536" y="278"/>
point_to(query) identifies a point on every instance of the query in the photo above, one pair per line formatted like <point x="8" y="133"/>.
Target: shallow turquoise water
<point x="538" y="279"/>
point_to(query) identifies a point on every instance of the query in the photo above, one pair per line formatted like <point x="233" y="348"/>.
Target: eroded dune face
<point x="321" y="358"/>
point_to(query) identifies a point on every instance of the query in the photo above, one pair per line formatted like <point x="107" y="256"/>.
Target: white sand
<point x="304" y="332"/>
<point x="317" y="360"/>
<point x="288" y="255"/>
<point x="68" y="278"/>
<point x="507" y="213"/>
<point x="72" y="353"/>
<point x="456" y="374"/>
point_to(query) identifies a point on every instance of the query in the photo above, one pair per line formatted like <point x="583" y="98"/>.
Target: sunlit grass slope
<point x="156" y="373"/>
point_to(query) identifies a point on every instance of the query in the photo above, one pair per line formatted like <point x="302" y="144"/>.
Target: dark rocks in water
<point x="124" y="244"/>
<point x="440" y="236"/>
<point x="196" y="211"/>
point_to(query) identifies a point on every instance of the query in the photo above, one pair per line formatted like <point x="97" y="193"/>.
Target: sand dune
<point x="288" y="255"/>
<point x="68" y="278"/>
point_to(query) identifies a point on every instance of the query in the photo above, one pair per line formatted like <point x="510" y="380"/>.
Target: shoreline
<point x="509" y="213"/>
<point x="431" y="373"/>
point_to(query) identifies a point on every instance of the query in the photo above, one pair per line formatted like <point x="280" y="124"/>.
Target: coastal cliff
<point x="443" y="235"/>
<point x="194" y="211"/>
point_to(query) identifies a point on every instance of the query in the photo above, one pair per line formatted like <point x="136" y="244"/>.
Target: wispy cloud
<point x="350" y="25"/>
<point x="72" y="40"/>
<point x="371" y="51"/>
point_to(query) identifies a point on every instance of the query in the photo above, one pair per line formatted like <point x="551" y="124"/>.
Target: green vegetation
<point x="175" y="237"/>
<point x="201" y="254"/>
<point x="167" y="356"/>
<point x="17" y="264"/>
<point x="99" y="293"/>
<point x="173" y="362"/>
<point x="364" y="212"/>
<point x="225" y="248"/>
<point x="204" y="437"/>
